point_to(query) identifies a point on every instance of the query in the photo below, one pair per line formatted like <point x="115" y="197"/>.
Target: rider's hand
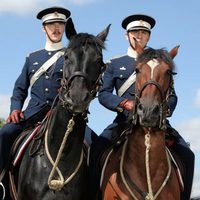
<point x="15" y="116"/>
<point x="127" y="104"/>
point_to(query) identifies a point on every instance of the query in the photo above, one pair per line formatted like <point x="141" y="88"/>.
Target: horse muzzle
<point x="149" y="115"/>
<point x="75" y="103"/>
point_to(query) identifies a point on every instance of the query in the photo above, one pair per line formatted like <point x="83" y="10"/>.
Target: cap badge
<point x="56" y="14"/>
<point x="141" y="22"/>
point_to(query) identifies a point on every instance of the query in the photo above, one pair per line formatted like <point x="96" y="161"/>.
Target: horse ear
<point x="102" y="36"/>
<point x="70" y="29"/>
<point x="174" y="51"/>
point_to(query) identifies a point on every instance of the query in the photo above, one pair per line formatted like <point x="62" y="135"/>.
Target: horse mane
<point x="162" y="54"/>
<point x="85" y="39"/>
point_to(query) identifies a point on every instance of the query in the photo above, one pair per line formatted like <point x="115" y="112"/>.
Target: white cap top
<point x="52" y="17"/>
<point x="137" y="22"/>
<point x="53" y="14"/>
<point x="140" y="23"/>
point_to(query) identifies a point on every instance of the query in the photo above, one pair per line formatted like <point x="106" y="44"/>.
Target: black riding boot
<point x="187" y="157"/>
<point x="2" y="190"/>
<point x="96" y="150"/>
<point x="5" y="186"/>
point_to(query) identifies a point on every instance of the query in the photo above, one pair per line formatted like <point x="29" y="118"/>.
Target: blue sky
<point x="177" y="24"/>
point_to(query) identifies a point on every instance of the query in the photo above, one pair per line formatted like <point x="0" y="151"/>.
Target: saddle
<point x="17" y="151"/>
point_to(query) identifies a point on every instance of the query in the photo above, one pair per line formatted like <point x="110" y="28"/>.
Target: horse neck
<point x="57" y="129"/>
<point x="136" y="148"/>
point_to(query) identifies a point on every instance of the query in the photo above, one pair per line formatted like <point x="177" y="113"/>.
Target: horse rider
<point x="118" y="77"/>
<point x="41" y="73"/>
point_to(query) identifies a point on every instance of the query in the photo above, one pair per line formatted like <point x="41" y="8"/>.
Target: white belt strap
<point x="45" y="67"/>
<point x="127" y="84"/>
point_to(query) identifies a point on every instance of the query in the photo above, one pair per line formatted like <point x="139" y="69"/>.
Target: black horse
<point x="58" y="170"/>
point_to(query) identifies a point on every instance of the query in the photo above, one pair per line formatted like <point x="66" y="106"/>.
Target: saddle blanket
<point x="25" y="142"/>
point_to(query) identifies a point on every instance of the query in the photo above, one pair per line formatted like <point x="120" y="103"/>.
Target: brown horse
<point x="141" y="168"/>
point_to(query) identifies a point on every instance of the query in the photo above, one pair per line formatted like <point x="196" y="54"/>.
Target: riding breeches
<point x="8" y="134"/>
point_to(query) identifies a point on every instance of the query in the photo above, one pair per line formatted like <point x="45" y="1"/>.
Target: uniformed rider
<point x="43" y="79"/>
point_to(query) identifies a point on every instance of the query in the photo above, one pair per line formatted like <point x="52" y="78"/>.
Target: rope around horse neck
<point x="148" y="146"/>
<point x="150" y="195"/>
<point x="59" y="184"/>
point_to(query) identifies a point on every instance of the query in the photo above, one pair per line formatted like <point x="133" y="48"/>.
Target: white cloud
<point x="190" y="131"/>
<point x="81" y="2"/>
<point x="196" y="184"/>
<point x="19" y="6"/>
<point x="22" y="7"/>
<point x="197" y="98"/>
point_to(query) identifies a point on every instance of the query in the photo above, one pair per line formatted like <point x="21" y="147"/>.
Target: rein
<point x="146" y="195"/>
<point x="148" y="146"/>
<point x="58" y="184"/>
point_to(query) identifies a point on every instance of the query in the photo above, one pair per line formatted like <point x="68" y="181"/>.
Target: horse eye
<point x="174" y="73"/>
<point x="99" y="59"/>
<point x="170" y="72"/>
<point x="68" y="60"/>
<point x="137" y="70"/>
<point x="66" y="56"/>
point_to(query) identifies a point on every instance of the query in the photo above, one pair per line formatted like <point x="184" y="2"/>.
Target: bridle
<point x="164" y="97"/>
<point x="93" y="88"/>
<point x="127" y="181"/>
<point x="61" y="181"/>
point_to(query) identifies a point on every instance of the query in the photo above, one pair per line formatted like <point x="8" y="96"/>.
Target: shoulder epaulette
<point x="116" y="57"/>
<point x="36" y="51"/>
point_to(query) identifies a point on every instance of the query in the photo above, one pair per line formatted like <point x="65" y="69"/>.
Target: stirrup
<point x="3" y="190"/>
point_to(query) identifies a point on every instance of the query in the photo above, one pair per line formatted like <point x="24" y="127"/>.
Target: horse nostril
<point x="156" y="109"/>
<point x="86" y="96"/>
